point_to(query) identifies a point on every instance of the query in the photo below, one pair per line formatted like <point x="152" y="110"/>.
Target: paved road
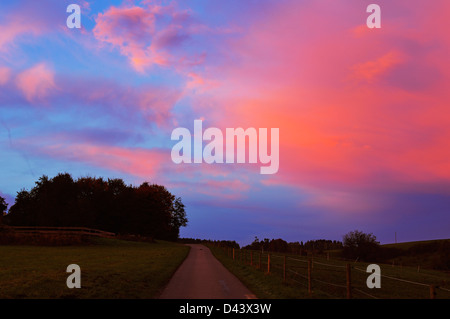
<point x="202" y="276"/>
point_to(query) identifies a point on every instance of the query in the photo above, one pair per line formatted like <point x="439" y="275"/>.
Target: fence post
<point x="284" y="269"/>
<point x="260" y="253"/>
<point x="268" y="263"/>
<point x="309" y="276"/>
<point x="349" y="282"/>
<point x="432" y="292"/>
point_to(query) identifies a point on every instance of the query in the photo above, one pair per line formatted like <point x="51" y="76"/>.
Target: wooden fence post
<point x="268" y="263"/>
<point x="284" y="269"/>
<point x="260" y="253"/>
<point x="309" y="276"/>
<point x="349" y="282"/>
<point x="432" y="292"/>
<point x="233" y="253"/>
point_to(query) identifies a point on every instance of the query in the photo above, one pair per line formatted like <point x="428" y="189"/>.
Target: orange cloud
<point x="371" y="70"/>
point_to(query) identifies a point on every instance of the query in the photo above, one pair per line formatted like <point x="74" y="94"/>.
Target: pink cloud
<point x="37" y="82"/>
<point x="28" y="20"/>
<point x="135" y="32"/>
<point x="14" y="28"/>
<point x="200" y="83"/>
<point x="5" y="74"/>
<point x="129" y="29"/>
<point x="139" y="162"/>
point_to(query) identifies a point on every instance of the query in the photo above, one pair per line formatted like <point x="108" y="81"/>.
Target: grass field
<point x="424" y="254"/>
<point x="262" y="285"/>
<point x="109" y="269"/>
<point x="329" y="278"/>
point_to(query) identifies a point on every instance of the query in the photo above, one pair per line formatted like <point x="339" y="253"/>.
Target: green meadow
<point x="110" y="269"/>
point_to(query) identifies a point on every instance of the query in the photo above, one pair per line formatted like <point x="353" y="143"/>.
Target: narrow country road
<point x="202" y="276"/>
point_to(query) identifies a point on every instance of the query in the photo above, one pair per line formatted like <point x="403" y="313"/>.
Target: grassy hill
<point x="409" y="244"/>
<point x="431" y="254"/>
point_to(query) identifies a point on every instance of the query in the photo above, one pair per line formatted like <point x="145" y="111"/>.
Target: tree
<point x="360" y="245"/>
<point x="179" y="218"/>
<point x="3" y="207"/>
<point x="278" y="245"/>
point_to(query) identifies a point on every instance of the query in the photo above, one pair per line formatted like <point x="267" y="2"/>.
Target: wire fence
<point x="60" y="231"/>
<point x="336" y="278"/>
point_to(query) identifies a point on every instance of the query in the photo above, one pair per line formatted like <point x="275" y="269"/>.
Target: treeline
<point x="110" y="205"/>
<point x="218" y="243"/>
<point x="273" y="245"/>
<point x="300" y="248"/>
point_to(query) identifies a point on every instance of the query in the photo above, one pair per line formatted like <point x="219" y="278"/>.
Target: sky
<point x="363" y="114"/>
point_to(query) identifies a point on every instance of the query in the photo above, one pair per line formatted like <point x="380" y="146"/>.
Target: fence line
<point x="284" y="269"/>
<point x="329" y="265"/>
<point x="329" y="283"/>
<point x="303" y="261"/>
<point x="365" y="293"/>
<point x="296" y="273"/>
<point x="403" y="280"/>
<point x="60" y="231"/>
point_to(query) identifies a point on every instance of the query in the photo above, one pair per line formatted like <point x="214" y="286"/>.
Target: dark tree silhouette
<point x="3" y="208"/>
<point x="281" y="246"/>
<point x="147" y="210"/>
<point x="360" y="245"/>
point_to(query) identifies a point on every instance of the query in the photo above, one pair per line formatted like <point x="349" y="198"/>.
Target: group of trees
<point x="355" y="245"/>
<point x="110" y="205"/>
<point x="219" y="243"/>
<point x="282" y="246"/>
